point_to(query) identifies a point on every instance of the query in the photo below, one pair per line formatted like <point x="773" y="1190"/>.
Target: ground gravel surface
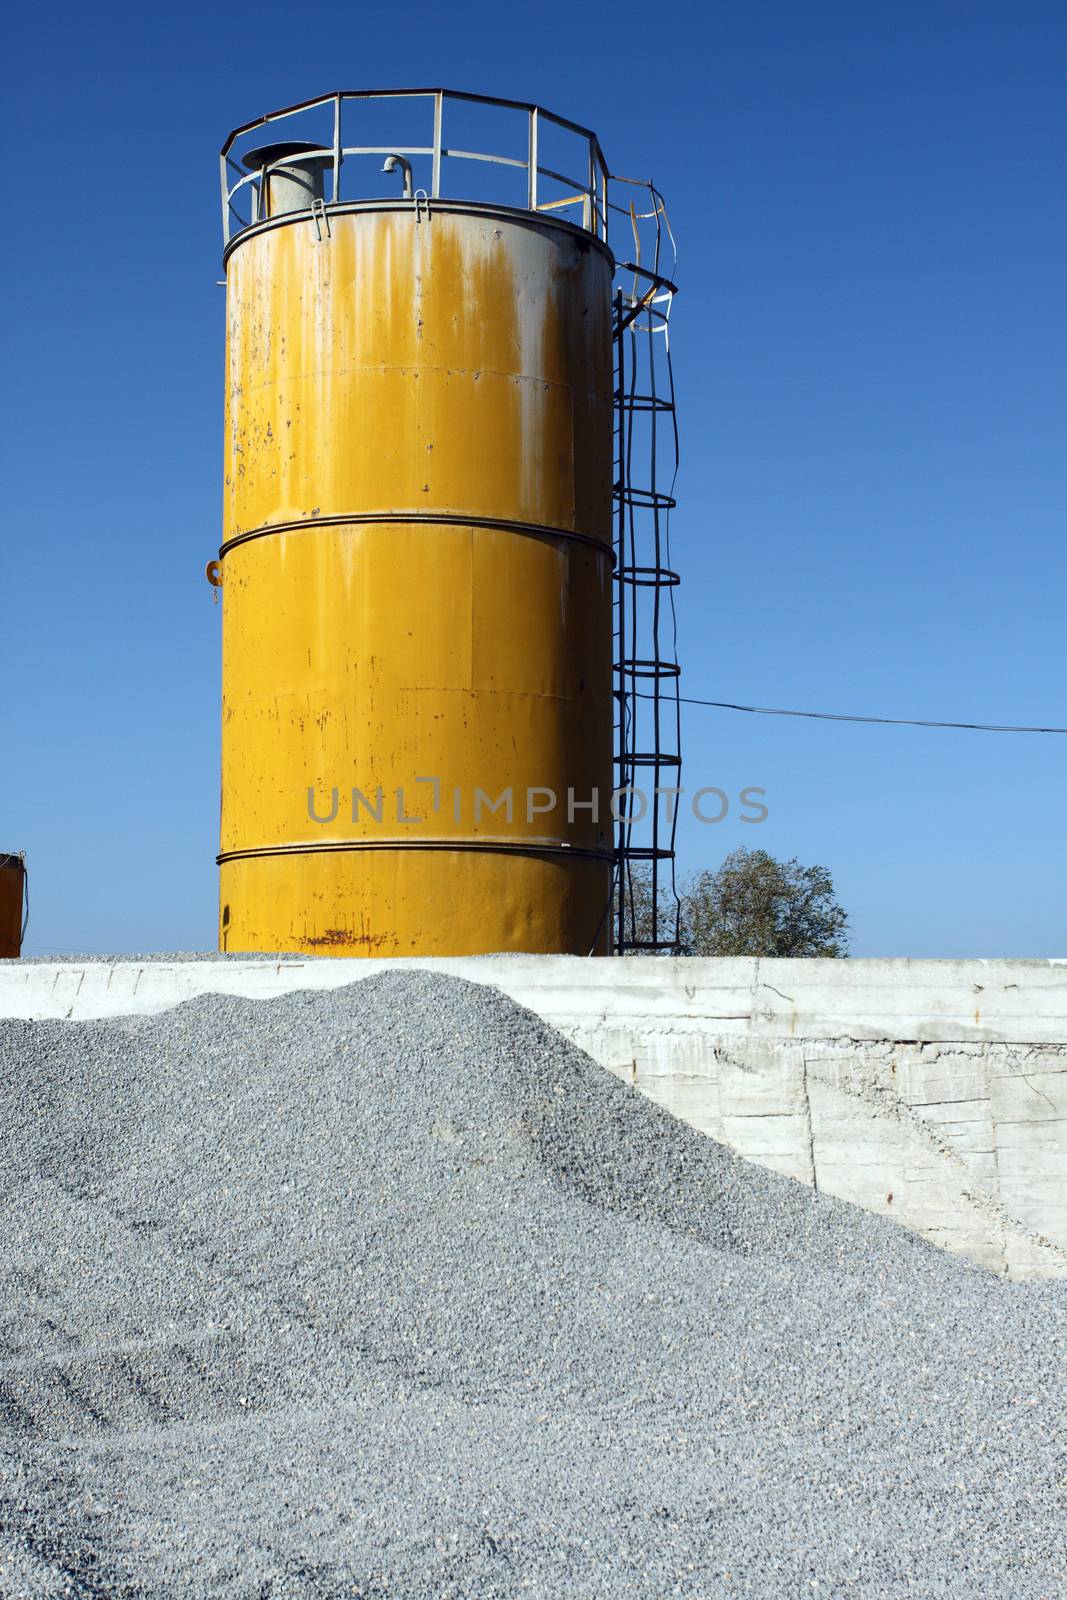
<point x="390" y="1291"/>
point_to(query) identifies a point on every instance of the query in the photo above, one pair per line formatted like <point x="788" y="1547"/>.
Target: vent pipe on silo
<point x="294" y="185"/>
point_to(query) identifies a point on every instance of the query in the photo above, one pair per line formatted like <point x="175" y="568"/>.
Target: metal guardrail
<point x="586" y="196"/>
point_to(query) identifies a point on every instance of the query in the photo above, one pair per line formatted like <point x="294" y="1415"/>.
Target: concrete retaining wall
<point x="932" y="1091"/>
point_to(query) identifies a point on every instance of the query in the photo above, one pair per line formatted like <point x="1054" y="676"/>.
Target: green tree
<point x="755" y="905"/>
<point x="750" y="905"/>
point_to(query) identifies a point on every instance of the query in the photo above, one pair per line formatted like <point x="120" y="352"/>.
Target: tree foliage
<point x="750" y="905"/>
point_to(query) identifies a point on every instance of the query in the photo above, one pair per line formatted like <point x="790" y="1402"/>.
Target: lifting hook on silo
<point x="391" y="163"/>
<point x="213" y="574"/>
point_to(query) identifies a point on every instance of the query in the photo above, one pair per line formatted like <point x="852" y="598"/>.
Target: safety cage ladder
<point x="647" y="709"/>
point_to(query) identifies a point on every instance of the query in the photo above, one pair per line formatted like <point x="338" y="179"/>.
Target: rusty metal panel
<point x="417" y="585"/>
<point x="459" y="364"/>
<point x="12" y="894"/>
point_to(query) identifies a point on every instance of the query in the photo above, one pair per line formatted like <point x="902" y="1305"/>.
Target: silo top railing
<point x="580" y="197"/>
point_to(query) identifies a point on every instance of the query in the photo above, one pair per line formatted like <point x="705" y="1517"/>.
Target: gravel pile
<point x="390" y="1291"/>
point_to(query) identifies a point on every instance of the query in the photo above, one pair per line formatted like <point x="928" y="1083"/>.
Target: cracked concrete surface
<point x="961" y="1139"/>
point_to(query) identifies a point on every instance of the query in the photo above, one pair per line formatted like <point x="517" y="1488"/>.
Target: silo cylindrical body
<point x="417" y="584"/>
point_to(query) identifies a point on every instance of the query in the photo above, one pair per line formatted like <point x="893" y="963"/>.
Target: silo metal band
<point x="469" y="208"/>
<point x="526" y="847"/>
<point x="534" y="530"/>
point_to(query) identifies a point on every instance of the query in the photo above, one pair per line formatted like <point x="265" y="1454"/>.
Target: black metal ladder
<point x="646" y="671"/>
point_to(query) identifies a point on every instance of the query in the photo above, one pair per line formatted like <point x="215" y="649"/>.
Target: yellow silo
<point x="416" y="569"/>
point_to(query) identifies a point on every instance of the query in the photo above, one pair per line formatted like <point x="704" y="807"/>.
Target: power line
<point x="837" y="716"/>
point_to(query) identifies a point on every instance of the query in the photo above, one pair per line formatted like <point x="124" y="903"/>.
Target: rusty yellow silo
<point x="416" y="566"/>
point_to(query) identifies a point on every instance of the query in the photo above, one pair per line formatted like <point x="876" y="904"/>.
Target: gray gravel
<point x="389" y="1291"/>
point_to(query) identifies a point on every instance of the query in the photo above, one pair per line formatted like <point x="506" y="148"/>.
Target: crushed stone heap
<point x="390" y="1291"/>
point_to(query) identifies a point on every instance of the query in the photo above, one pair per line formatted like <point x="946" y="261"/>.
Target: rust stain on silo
<point x="417" y="553"/>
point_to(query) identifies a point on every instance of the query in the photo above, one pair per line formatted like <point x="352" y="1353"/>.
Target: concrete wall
<point x="934" y="1092"/>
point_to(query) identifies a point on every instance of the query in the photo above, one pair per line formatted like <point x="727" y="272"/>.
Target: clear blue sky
<point x="870" y="349"/>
